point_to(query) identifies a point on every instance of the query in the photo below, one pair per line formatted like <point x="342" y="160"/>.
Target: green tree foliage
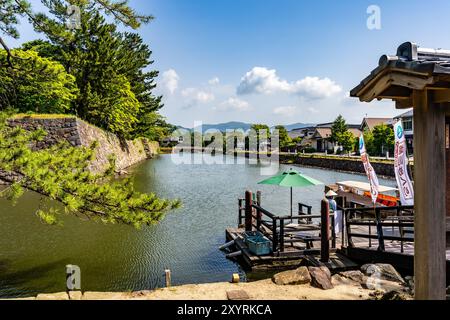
<point x="116" y="110"/>
<point x="259" y="129"/>
<point x="102" y="60"/>
<point x="45" y="49"/>
<point x="115" y="92"/>
<point x="383" y="139"/>
<point x="368" y="140"/>
<point x="255" y="135"/>
<point x="156" y="127"/>
<point x="285" y="140"/>
<point x="380" y="140"/>
<point x="339" y="127"/>
<point x="35" y="84"/>
<point x="233" y="139"/>
<point x="60" y="173"/>
<point x="107" y="72"/>
<point x="297" y="140"/>
<point x="10" y="10"/>
<point x="346" y="140"/>
<point x="196" y="139"/>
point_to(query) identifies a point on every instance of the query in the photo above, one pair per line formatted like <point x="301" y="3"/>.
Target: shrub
<point x="35" y="84"/>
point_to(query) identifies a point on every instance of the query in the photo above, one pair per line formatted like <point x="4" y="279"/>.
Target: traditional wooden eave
<point x="413" y="68"/>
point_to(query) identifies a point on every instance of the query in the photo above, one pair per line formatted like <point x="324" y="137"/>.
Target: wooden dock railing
<point x="400" y="218"/>
<point x="281" y="231"/>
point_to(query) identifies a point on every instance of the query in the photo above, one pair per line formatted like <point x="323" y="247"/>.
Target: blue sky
<point x="282" y="61"/>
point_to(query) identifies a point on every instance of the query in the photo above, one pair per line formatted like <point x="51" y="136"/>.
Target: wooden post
<point x="258" y="212"/>
<point x="430" y="195"/>
<point x="325" y="231"/>
<point x="380" y="235"/>
<point x="333" y="231"/>
<point x="281" y="235"/>
<point x="259" y="198"/>
<point x="274" y="235"/>
<point x="291" y="206"/>
<point x="248" y="211"/>
<point x="240" y="212"/>
<point x="168" y="275"/>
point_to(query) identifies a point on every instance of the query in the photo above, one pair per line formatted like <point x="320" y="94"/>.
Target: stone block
<point x="75" y="295"/>
<point x="292" y="277"/>
<point x="53" y="296"/>
<point x="237" y="295"/>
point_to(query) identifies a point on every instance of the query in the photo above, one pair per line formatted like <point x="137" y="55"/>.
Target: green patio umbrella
<point x="291" y="179"/>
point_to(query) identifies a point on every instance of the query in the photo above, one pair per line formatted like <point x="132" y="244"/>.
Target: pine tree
<point x="285" y="140"/>
<point x="12" y="9"/>
<point x="339" y="127"/>
<point x="100" y="58"/>
<point x="61" y="173"/>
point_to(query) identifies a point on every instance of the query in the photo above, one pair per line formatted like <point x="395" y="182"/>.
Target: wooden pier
<point x="368" y="235"/>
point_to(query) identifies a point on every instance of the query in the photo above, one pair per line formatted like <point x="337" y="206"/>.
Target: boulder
<point x="354" y="275"/>
<point x="292" y="277"/>
<point x="410" y="282"/>
<point x="396" y="295"/>
<point x="321" y="277"/>
<point x="375" y="283"/>
<point x="382" y="271"/>
<point x="337" y="280"/>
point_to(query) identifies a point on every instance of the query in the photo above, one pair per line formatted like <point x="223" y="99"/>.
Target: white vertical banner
<point x="371" y="175"/>
<point x="404" y="183"/>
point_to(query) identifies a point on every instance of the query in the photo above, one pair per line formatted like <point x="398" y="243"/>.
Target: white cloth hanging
<point x="338" y="227"/>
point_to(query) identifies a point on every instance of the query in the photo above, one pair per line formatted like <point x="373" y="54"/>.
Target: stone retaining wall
<point x="80" y="133"/>
<point x="384" y="168"/>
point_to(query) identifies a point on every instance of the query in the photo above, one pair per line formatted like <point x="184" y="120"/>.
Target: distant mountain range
<point x="298" y="125"/>
<point x="233" y="125"/>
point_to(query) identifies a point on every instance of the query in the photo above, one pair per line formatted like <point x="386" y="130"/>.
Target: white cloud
<point x="262" y="80"/>
<point x="235" y="104"/>
<point x="313" y="110"/>
<point x="266" y="81"/>
<point x="287" y="111"/>
<point x="316" y="88"/>
<point x="198" y="95"/>
<point x="214" y="81"/>
<point x="170" y="80"/>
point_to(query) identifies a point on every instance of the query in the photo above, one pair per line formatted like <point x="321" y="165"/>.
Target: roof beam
<point x="404" y="103"/>
<point x="441" y="96"/>
<point x="394" y="78"/>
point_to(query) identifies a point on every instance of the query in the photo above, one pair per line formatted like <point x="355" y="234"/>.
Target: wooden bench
<point x="306" y="238"/>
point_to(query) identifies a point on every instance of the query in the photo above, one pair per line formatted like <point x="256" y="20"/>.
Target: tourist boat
<point x="358" y="193"/>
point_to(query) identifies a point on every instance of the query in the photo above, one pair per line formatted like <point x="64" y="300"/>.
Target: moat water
<point x="33" y="256"/>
